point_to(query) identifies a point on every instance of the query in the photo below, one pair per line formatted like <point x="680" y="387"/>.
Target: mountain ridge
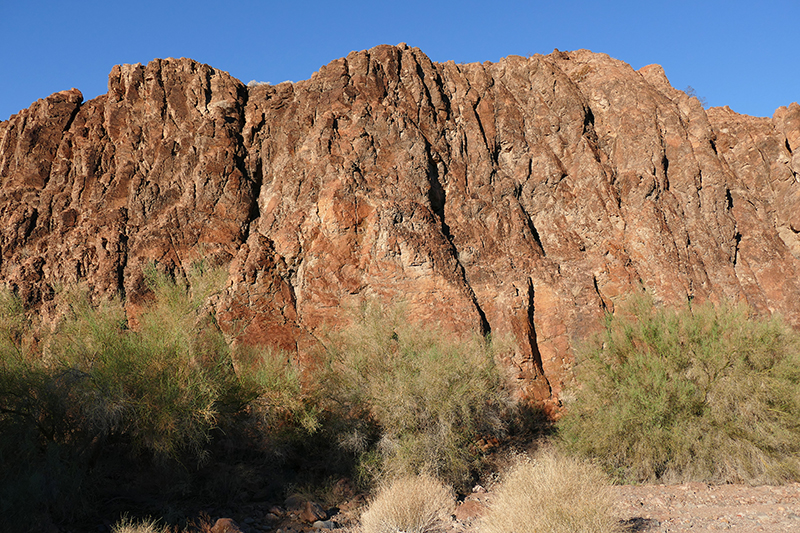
<point x="523" y="198"/>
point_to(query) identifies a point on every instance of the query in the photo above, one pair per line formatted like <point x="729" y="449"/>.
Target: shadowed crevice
<point x="536" y="356"/>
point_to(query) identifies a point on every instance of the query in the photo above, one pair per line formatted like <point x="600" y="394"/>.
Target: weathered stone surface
<point x="226" y="525"/>
<point x="470" y="510"/>
<point x="150" y="171"/>
<point x="313" y="512"/>
<point x="523" y="197"/>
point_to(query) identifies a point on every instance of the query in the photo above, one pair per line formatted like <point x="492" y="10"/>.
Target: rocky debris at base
<point x="473" y="507"/>
<point x="225" y="525"/>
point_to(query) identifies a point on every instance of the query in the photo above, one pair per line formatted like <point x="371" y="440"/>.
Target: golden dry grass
<point x="412" y="504"/>
<point x="127" y="525"/>
<point x="552" y="494"/>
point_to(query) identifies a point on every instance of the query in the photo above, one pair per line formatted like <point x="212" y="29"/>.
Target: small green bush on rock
<point x="704" y="393"/>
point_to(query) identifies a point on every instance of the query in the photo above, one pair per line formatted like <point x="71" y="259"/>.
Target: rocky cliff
<point x="521" y="198"/>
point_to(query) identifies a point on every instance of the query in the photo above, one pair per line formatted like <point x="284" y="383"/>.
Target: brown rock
<point x="524" y="197"/>
<point x="226" y="525"/>
<point x="312" y="512"/>
<point x="470" y="510"/>
<point x="295" y="503"/>
<point x="343" y="490"/>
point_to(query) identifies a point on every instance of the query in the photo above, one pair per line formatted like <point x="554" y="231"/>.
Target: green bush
<point x="43" y="449"/>
<point x="168" y="383"/>
<point x="158" y="385"/>
<point x="418" y="399"/>
<point x="272" y="393"/>
<point x="159" y="390"/>
<point x="706" y="393"/>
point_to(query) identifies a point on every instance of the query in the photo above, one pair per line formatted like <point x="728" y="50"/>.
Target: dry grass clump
<point x="128" y="525"/>
<point x="412" y="504"/>
<point x="706" y="393"/>
<point x="552" y="494"/>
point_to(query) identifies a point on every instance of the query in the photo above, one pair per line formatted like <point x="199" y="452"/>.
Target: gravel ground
<point x="700" y="507"/>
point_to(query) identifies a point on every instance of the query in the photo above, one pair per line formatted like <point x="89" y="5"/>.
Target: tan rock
<point x="470" y="510"/>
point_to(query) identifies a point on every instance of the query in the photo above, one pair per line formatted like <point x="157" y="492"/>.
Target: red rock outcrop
<point x="523" y="197"/>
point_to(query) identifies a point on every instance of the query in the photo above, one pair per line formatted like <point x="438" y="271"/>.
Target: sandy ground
<point x="690" y="507"/>
<point x="700" y="507"/>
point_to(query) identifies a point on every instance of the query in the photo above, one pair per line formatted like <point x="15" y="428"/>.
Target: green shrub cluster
<point x="397" y="398"/>
<point x="705" y="393"/>
<point x="157" y="391"/>
<point x="417" y="400"/>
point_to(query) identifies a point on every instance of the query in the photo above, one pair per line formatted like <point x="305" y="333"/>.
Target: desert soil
<point x="700" y="507"/>
<point x="689" y="507"/>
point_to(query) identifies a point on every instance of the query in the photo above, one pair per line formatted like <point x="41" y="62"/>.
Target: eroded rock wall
<point x="522" y="198"/>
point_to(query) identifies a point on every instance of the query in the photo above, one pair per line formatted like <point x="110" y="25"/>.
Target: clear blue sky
<point x="738" y="53"/>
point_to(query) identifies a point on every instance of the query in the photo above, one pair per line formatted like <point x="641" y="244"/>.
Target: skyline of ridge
<point x="731" y="53"/>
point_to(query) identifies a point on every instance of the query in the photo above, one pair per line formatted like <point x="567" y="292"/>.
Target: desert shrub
<point x="551" y="493"/>
<point x="417" y="398"/>
<point x="30" y="411"/>
<point x="167" y="384"/>
<point x="273" y="382"/>
<point x="413" y="504"/>
<point x="160" y="390"/>
<point x="272" y="398"/>
<point x="705" y="393"/>
<point x="158" y="385"/>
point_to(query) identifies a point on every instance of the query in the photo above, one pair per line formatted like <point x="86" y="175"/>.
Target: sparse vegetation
<point x="692" y="93"/>
<point x="425" y="397"/>
<point x="413" y="504"/>
<point x="551" y="493"/>
<point x="705" y="393"/>
<point x="158" y="391"/>
<point x="165" y="385"/>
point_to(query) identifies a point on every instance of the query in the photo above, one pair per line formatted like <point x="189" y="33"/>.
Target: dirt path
<point x="700" y="507"/>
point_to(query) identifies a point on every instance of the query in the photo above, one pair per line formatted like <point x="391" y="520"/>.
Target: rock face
<point x="521" y="198"/>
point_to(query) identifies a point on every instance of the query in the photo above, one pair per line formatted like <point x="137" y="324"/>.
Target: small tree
<point x="705" y="393"/>
<point x="690" y="91"/>
<point x="417" y="398"/>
